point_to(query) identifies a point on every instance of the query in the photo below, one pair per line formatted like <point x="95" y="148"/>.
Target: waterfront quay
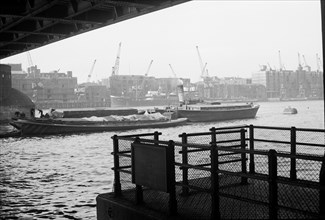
<point x="236" y="172"/>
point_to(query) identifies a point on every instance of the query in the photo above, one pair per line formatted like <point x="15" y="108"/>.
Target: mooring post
<point x="171" y="177"/>
<point x="251" y="147"/>
<point x="185" y="189"/>
<point x="243" y="155"/>
<point x="117" y="181"/>
<point x="293" y="171"/>
<point x="273" y="187"/>
<point x="215" y="200"/>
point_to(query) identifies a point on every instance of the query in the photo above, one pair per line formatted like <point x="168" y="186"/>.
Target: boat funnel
<point x="180" y="91"/>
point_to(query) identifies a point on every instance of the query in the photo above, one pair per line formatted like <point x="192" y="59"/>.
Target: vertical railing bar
<point x="171" y="177"/>
<point x="117" y="180"/>
<point x="185" y="190"/>
<point x="273" y="187"/>
<point x="243" y="155"/>
<point x="251" y="147"/>
<point x="138" y="194"/>
<point x="321" y="191"/>
<point x="215" y="200"/>
<point x="293" y="170"/>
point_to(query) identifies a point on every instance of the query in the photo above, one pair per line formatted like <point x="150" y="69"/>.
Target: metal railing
<point x="122" y="149"/>
<point x="223" y="161"/>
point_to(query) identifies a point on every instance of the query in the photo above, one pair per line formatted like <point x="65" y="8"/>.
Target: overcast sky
<point x="234" y="38"/>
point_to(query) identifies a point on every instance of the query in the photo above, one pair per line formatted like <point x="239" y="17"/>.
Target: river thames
<point x="59" y="177"/>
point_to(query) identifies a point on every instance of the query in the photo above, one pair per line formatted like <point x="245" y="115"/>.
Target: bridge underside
<point x="29" y="24"/>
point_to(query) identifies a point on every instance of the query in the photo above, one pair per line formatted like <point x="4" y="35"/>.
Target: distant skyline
<point x="234" y="38"/>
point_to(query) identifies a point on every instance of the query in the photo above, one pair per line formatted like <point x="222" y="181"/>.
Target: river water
<point x="59" y="177"/>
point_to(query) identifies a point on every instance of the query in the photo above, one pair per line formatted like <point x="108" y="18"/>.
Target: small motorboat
<point x="289" y="110"/>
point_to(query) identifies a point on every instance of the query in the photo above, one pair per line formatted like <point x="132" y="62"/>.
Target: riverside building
<point x="300" y="84"/>
<point x="57" y="89"/>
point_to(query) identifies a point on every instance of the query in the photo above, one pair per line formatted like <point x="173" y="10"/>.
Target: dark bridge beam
<point x="32" y="24"/>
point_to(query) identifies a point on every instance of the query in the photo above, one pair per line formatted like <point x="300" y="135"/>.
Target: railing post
<point x="273" y="187"/>
<point x="243" y="155"/>
<point x="138" y="194"/>
<point x="185" y="190"/>
<point x="117" y="181"/>
<point x="251" y="147"/>
<point x="293" y="171"/>
<point x="138" y="188"/>
<point x="156" y="136"/>
<point x="215" y="200"/>
<point x="171" y="177"/>
<point x="322" y="191"/>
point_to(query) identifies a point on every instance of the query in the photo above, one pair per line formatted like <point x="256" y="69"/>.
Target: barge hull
<point x="217" y="115"/>
<point x="28" y="127"/>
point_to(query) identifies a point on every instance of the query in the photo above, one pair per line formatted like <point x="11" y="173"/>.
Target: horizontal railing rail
<point x="287" y="128"/>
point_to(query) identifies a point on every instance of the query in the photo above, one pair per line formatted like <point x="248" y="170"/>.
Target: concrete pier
<point x="197" y="204"/>
<point x="226" y="173"/>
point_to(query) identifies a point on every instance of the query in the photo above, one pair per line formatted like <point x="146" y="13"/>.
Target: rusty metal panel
<point x="150" y="166"/>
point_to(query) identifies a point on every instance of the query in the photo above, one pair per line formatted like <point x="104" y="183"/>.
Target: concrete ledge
<point x="109" y="207"/>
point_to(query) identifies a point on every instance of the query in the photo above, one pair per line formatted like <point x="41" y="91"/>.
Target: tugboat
<point x="207" y="111"/>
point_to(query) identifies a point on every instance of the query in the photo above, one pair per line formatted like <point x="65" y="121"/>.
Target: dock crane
<point x="172" y="70"/>
<point x="306" y="64"/>
<point x="31" y="68"/>
<point x="115" y="68"/>
<point x="91" y="71"/>
<point x="144" y="80"/>
<point x="146" y="74"/>
<point x="318" y="62"/>
<point x="280" y="62"/>
<point x="29" y="58"/>
<point x="180" y="87"/>
<point x="204" y="71"/>
<point x="307" y="67"/>
<point x="36" y="84"/>
<point x="299" y="62"/>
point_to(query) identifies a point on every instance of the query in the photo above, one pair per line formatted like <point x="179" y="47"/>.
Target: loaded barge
<point x="68" y="126"/>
